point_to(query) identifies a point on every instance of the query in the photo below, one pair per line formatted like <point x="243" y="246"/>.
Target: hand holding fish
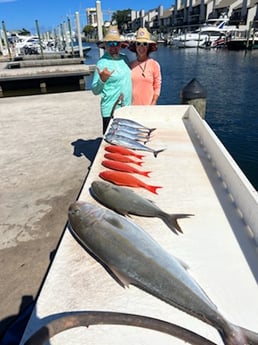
<point x="104" y="74"/>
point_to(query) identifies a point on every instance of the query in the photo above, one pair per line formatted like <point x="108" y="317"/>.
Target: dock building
<point x="193" y="13"/>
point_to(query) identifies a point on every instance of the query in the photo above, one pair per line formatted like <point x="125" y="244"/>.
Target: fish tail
<point x="138" y="156"/>
<point x="151" y="130"/>
<point x="153" y="189"/>
<point x="139" y="163"/>
<point x="157" y="152"/>
<point x="235" y="335"/>
<point x="145" y="173"/>
<point x="171" y="221"/>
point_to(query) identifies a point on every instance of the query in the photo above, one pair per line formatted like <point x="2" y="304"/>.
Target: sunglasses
<point x="145" y="44"/>
<point x="112" y="44"/>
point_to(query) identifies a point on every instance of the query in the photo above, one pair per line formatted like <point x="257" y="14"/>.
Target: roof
<point x="166" y="13"/>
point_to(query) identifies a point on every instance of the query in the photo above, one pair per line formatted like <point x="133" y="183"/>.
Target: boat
<point x="33" y="45"/>
<point x="205" y="36"/>
<point x="27" y="45"/>
<point x="242" y="40"/>
<point x="130" y="36"/>
<point x="220" y="42"/>
<point x="76" y="50"/>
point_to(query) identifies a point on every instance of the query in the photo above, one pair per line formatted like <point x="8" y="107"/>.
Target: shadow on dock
<point x="88" y="148"/>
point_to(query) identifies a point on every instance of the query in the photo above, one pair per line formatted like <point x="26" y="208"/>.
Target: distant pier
<point x="42" y="75"/>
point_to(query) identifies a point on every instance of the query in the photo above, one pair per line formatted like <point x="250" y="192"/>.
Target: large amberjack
<point x="135" y="258"/>
<point x="125" y="201"/>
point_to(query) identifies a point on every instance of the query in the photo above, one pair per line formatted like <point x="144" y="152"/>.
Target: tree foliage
<point x="24" y="32"/>
<point x="88" y="29"/>
<point x="122" y="18"/>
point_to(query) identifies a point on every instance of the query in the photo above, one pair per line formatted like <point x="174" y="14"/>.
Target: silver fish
<point x="135" y="258"/>
<point x="125" y="201"/>
<point x="129" y="129"/>
<point x="132" y="123"/>
<point x="129" y="143"/>
<point x="137" y="137"/>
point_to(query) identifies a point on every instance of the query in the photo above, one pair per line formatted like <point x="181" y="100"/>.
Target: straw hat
<point x="112" y="35"/>
<point x="143" y="35"/>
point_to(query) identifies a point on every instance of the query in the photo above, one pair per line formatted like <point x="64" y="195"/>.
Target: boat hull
<point x="242" y="44"/>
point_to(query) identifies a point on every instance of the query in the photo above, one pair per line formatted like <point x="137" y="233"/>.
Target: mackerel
<point x="136" y="258"/>
<point x="134" y="136"/>
<point x="125" y="201"/>
<point x="129" y="128"/>
<point x="132" y="123"/>
<point x="130" y="143"/>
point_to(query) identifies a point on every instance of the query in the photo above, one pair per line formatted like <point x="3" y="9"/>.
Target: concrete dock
<point x="41" y="74"/>
<point x="47" y="145"/>
<point x="196" y="176"/>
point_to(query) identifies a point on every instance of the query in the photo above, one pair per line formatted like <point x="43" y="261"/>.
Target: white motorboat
<point x="76" y="50"/>
<point x="27" y="44"/>
<point x="206" y="35"/>
<point x="30" y="45"/>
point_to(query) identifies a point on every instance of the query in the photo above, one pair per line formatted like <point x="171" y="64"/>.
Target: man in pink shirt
<point x="146" y="74"/>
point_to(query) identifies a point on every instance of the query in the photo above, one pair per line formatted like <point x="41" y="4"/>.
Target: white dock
<point x="219" y="242"/>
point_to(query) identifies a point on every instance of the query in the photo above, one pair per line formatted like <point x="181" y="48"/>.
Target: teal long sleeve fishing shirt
<point x="119" y="82"/>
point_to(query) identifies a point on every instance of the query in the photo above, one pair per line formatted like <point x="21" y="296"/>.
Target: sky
<point x="19" y="14"/>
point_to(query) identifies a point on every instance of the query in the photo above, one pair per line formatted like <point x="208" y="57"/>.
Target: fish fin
<point x="113" y="221"/>
<point x="120" y="276"/>
<point x="122" y="213"/>
<point x="139" y="163"/>
<point x="182" y="263"/>
<point x="153" y="189"/>
<point x="171" y="221"/>
<point x="236" y="335"/>
<point x="151" y="201"/>
<point x="157" y="152"/>
<point x="117" y="210"/>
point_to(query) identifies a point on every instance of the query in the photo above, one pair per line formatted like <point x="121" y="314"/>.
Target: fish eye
<point x="74" y="210"/>
<point x="77" y="211"/>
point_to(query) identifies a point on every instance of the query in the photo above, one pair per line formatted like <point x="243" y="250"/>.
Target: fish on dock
<point x="118" y="157"/>
<point x="126" y="179"/>
<point x="125" y="201"/>
<point x="121" y="166"/>
<point x="122" y="150"/>
<point x="124" y="127"/>
<point x="131" y="123"/>
<point x="130" y="144"/>
<point x="137" y="137"/>
<point x="134" y="257"/>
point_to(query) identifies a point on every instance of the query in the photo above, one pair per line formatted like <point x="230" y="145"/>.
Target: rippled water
<point x="231" y="81"/>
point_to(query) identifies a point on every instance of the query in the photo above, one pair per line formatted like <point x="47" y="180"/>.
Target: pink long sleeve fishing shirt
<point x="146" y="81"/>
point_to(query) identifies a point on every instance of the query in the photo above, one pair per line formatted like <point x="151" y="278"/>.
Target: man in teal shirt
<point x="112" y="76"/>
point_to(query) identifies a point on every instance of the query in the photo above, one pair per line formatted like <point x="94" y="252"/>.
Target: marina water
<point x="231" y="81"/>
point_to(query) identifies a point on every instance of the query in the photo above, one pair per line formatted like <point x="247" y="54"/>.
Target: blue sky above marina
<point x="18" y="14"/>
